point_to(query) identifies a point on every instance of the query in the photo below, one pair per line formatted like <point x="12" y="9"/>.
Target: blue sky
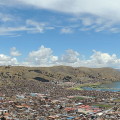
<point x="56" y="32"/>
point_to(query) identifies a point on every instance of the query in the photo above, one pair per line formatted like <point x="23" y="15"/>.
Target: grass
<point x="92" y="85"/>
<point x="103" y="105"/>
<point x="117" y="100"/>
<point x="78" y="98"/>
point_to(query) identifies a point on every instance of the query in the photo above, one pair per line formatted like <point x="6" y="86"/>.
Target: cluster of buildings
<point x="37" y="106"/>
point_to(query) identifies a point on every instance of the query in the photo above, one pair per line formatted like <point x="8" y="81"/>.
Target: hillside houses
<point x="38" y="106"/>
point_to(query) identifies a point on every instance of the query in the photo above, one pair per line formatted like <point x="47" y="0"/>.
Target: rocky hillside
<point x="57" y="73"/>
<point x="28" y="78"/>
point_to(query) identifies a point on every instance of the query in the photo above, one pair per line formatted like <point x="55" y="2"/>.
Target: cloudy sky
<point x="60" y="32"/>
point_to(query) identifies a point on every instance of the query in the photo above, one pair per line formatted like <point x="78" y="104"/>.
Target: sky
<point x="78" y="33"/>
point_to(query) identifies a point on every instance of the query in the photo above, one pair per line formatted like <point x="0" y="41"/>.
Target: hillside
<point x="17" y="78"/>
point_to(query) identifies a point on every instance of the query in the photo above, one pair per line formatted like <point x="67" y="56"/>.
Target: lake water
<point x="114" y="86"/>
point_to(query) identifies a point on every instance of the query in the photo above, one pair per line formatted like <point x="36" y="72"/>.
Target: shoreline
<point x="93" y="85"/>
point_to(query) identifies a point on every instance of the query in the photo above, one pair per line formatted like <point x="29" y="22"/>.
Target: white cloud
<point x="6" y="17"/>
<point x="70" y="56"/>
<point x="102" y="58"/>
<point x="42" y="57"/>
<point x="29" y="27"/>
<point x="97" y="15"/>
<point x="14" y="52"/>
<point x="95" y="7"/>
<point x="13" y="30"/>
<point x="66" y="30"/>
<point x="38" y="27"/>
<point x="102" y="13"/>
<point x="6" y="60"/>
<point x="99" y="59"/>
<point x="87" y="21"/>
<point x="115" y="30"/>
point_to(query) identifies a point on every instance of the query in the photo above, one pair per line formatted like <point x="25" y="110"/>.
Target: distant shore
<point x="97" y="85"/>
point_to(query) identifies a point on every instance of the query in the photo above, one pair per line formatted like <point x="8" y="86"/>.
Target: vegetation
<point x="78" y="98"/>
<point x="117" y="100"/>
<point x="103" y="105"/>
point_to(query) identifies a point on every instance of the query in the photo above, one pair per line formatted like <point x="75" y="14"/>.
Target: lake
<point x="114" y="86"/>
